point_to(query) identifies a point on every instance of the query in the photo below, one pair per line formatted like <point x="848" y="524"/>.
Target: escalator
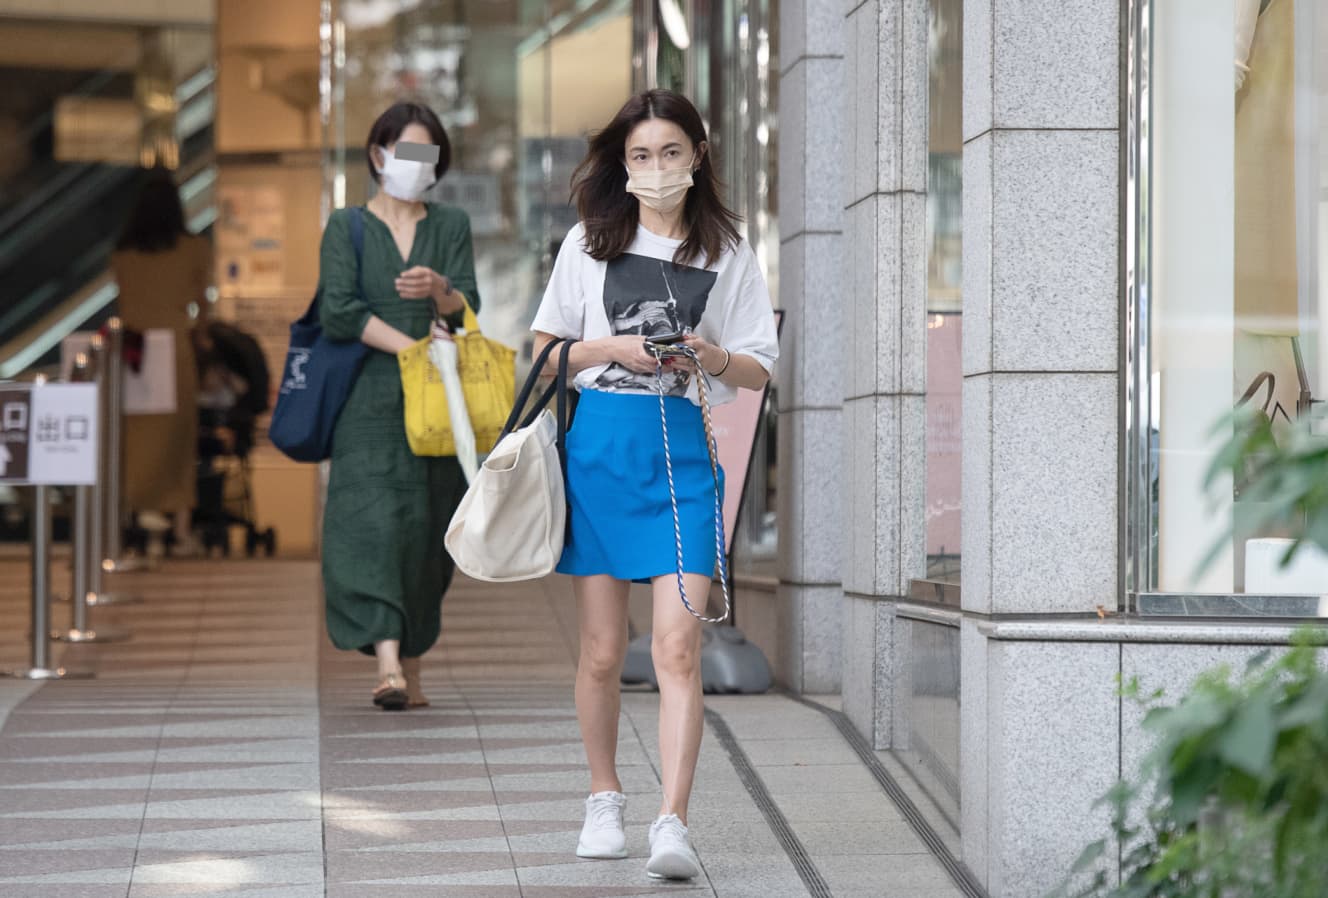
<point x="59" y="220"/>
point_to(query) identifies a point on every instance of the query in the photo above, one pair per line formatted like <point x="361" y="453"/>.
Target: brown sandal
<point x="391" y="693"/>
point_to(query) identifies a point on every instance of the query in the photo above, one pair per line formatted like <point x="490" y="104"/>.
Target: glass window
<point x="1229" y="207"/>
<point x="944" y="303"/>
<point x="926" y="734"/>
<point x="518" y="86"/>
<point x="724" y="55"/>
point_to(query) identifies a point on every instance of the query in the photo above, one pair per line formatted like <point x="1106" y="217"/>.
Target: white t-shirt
<point x="643" y="292"/>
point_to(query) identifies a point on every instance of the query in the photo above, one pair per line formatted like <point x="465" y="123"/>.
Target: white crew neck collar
<point x="645" y="233"/>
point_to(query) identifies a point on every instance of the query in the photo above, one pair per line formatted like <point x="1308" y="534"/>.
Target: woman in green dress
<point x="384" y="566"/>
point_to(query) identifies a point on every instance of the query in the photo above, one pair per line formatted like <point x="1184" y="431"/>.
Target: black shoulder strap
<point x="560" y="385"/>
<point x="514" y="419"/>
<point x="357" y="232"/>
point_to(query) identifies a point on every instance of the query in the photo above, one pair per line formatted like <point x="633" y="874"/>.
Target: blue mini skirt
<point x="618" y="490"/>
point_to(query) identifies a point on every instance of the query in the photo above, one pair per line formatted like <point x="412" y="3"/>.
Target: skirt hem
<point x="631" y="578"/>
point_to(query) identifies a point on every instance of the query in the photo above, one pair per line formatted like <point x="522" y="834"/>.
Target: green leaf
<point x="1308" y="708"/>
<point x="1249" y="741"/>
<point x="1191" y="787"/>
<point x="1089" y="856"/>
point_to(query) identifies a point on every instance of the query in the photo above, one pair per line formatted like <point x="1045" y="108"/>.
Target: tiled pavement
<point x="227" y="750"/>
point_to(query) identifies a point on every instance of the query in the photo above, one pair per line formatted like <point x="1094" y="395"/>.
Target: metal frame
<point x="1136" y="481"/>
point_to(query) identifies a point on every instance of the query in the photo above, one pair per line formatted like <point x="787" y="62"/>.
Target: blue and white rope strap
<point x="687" y="352"/>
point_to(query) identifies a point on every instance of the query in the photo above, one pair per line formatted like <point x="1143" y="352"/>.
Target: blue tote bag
<point x="317" y="377"/>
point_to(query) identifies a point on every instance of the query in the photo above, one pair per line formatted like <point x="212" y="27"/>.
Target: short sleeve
<point x="562" y="310"/>
<point x="749" y="320"/>
<point x="341" y="309"/>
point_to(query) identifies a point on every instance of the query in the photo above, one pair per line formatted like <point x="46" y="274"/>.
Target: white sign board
<point x="48" y="434"/>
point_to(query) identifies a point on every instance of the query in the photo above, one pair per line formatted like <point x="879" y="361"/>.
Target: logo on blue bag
<point x="295" y="376"/>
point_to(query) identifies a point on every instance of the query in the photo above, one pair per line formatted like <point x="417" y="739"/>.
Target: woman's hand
<point x="421" y="282"/>
<point x="629" y="352"/>
<point x="710" y="356"/>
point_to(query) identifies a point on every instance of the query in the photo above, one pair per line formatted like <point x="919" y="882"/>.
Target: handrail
<point x="68" y="313"/>
<point x="21" y="352"/>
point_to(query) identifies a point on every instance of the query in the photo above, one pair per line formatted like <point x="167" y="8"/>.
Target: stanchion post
<point x="83" y="556"/>
<point x="96" y="550"/>
<point x="40" y="668"/>
<point x="79" y="554"/>
<point x="113" y="560"/>
<point x="41" y="578"/>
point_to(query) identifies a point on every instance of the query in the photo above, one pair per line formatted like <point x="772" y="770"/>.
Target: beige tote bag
<point x="513" y="519"/>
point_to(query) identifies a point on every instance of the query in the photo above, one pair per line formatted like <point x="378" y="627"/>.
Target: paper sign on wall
<point x="151" y="389"/>
<point x="148" y="391"/>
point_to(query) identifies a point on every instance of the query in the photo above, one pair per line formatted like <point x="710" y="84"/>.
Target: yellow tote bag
<point x="488" y="381"/>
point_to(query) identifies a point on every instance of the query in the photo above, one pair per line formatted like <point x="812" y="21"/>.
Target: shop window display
<point x="1230" y="236"/>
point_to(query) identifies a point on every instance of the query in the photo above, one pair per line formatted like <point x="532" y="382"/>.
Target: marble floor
<point x="227" y="750"/>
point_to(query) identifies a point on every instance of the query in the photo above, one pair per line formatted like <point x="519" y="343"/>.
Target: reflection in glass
<point x="518" y="86"/>
<point x="944" y="301"/>
<point x="928" y="741"/>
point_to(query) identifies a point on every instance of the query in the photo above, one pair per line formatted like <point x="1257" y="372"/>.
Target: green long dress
<point x="385" y="569"/>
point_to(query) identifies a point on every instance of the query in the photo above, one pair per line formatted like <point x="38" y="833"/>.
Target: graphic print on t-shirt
<point x="651" y="297"/>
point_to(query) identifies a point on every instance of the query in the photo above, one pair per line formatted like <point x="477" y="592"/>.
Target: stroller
<point x="233" y="392"/>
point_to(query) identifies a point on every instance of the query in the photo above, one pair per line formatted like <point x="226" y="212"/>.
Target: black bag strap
<point x="559" y="389"/>
<point x="357" y="232"/>
<point x="560" y="386"/>
<point x="514" y="420"/>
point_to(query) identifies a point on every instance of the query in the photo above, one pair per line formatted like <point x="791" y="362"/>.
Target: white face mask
<point x="661" y="189"/>
<point x="403" y="179"/>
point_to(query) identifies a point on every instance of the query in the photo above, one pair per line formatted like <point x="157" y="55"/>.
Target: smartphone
<point x="667" y="339"/>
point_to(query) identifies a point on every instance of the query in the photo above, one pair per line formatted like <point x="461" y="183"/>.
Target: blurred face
<point x="412" y="133"/>
<point x="658" y="144"/>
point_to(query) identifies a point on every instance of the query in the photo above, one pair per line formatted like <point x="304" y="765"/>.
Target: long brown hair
<point x="610" y="214"/>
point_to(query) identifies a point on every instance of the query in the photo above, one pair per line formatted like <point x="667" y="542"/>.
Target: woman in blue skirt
<point x="656" y="254"/>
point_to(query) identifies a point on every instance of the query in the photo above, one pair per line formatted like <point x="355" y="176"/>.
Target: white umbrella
<point x="443" y="354"/>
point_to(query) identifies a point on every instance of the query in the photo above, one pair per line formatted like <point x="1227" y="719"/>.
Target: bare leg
<point x="410" y="667"/>
<point x="389" y="660"/>
<point x="602" y="607"/>
<point x="676" y="649"/>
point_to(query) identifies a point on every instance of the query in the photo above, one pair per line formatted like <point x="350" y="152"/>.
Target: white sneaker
<point x="602" y="836"/>
<point x="671" y="854"/>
